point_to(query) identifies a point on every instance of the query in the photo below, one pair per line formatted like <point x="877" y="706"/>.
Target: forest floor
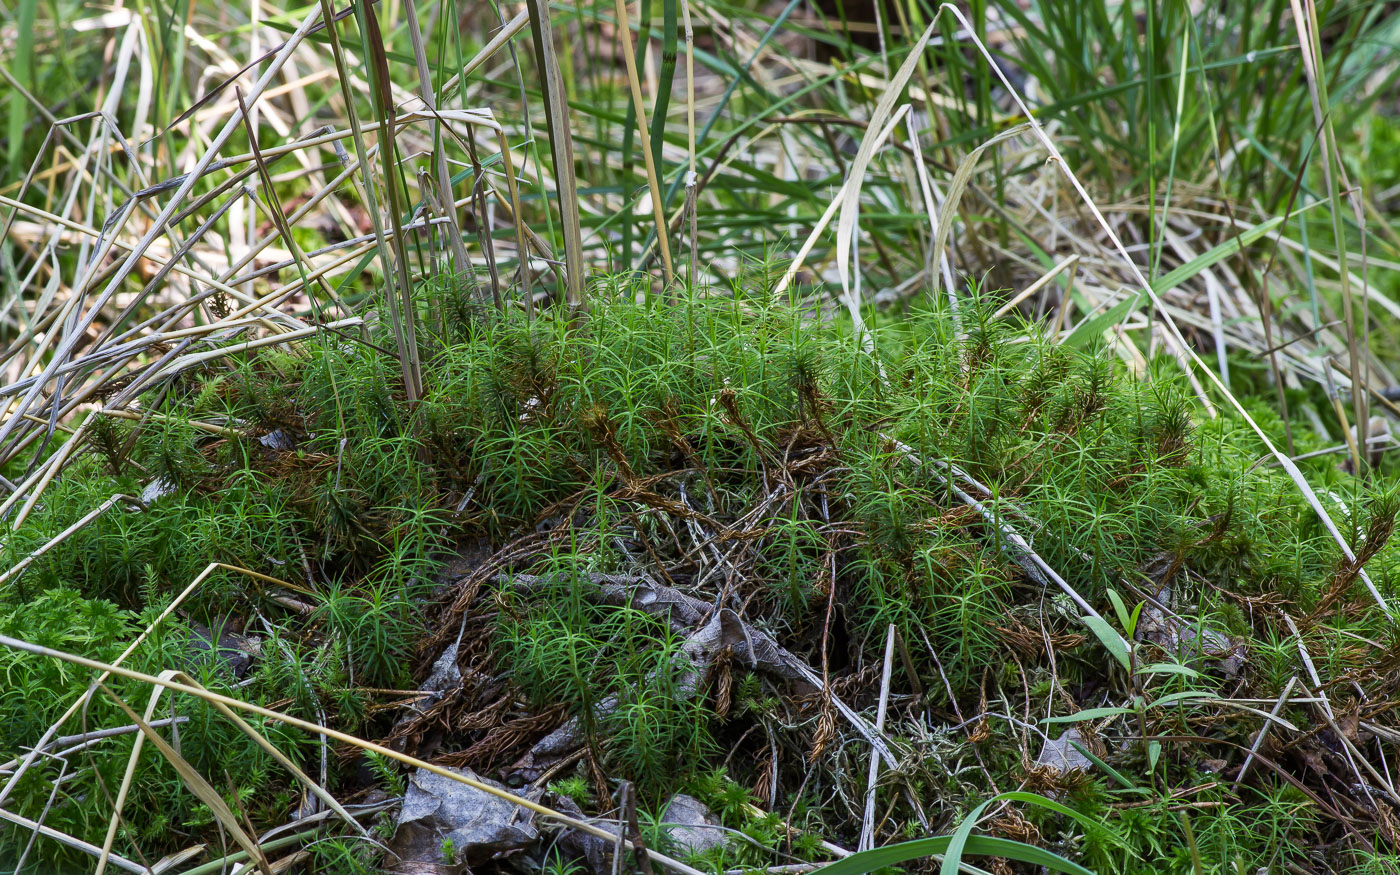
<point x="706" y="440"/>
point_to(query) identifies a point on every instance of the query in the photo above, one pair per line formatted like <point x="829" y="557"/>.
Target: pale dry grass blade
<point x="850" y="201"/>
<point x="1349" y="750"/>
<point x="160" y="261"/>
<point x="867" y="824"/>
<point x="64" y="838"/>
<point x="403" y="309"/>
<point x="243" y="727"/>
<point x="281" y="227"/>
<point x="79" y="325"/>
<point x="152" y="416"/>
<point x="461" y="260"/>
<point x="35" y="485"/>
<point x="1214" y="293"/>
<point x="961" y="177"/>
<point x="1334" y="175"/>
<point x="64" y="535"/>
<point x="931" y="207"/>
<point x="1064" y="264"/>
<point x="522" y="233"/>
<point x="820" y="227"/>
<point x="196" y="358"/>
<point x="357" y="132"/>
<point x="501" y="37"/>
<point x="1020" y="549"/>
<point x="65" y="340"/>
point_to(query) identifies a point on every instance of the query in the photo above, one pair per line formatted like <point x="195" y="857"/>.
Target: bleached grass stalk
<point x="139" y="416"/>
<point x="197" y="358"/>
<point x="931" y="207"/>
<point x="561" y="147"/>
<point x="1065" y="264"/>
<point x="961" y="178"/>
<point x="1020" y="549"/>
<point x="192" y="779"/>
<point x="499" y="39"/>
<point x="692" y="178"/>
<point x="66" y="340"/>
<point x="1264" y="730"/>
<point x="850" y="201"/>
<point x="125" y="246"/>
<point x="820" y="227"/>
<point x="71" y="841"/>
<point x="157" y="227"/>
<point x="867" y="824"/>
<point x="461" y="260"/>
<point x="145" y="727"/>
<point x="1334" y="175"/>
<point x="35" y="485"/>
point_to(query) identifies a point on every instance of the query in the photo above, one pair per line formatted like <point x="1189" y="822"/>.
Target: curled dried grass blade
<point x="961" y="178"/>
<point x="850" y="202"/>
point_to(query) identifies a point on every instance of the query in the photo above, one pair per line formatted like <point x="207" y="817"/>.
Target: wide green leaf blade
<point x="1095" y="326"/>
<point x="957" y="844"/>
<point x="1088" y="714"/>
<point x="1217" y="253"/>
<point x="985" y="846"/>
<point x="1111" y="640"/>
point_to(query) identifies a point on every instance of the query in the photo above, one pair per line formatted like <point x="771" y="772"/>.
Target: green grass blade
<point x="24" y="72"/>
<point x="1216" y="254"/>
<point x="1089" y="714"/>
<point x="1110" y="770"/>
<point x="952" y="860"/>
<point x="987" y="846"/>
<point x="1112" y="641"/>
<point x="666" y="76"/>
<point x="406" y="329"/>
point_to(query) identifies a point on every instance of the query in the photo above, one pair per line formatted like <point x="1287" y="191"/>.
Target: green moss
<point x="607" y="427"/>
